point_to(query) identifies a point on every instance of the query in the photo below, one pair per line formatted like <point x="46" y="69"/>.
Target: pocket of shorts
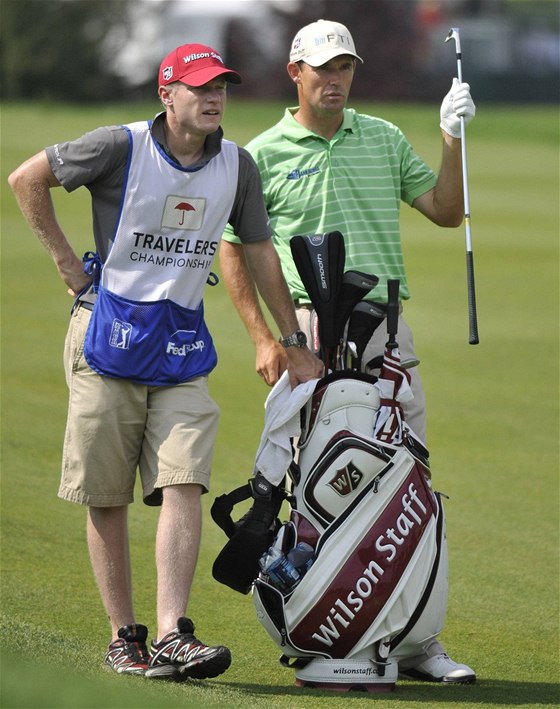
<point x="77" y="333"/>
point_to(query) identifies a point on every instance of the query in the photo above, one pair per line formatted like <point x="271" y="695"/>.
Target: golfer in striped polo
<point x="326" y="167"/>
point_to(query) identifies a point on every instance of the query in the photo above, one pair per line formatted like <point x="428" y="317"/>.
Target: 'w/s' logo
<point x="346" y="479"/>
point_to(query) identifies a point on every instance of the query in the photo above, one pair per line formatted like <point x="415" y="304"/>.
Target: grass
<point x="493" y="435"/>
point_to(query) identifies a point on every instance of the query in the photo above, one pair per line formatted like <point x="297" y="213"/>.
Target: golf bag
<point x="357" y="576"/>
<point x="366" y="509"/>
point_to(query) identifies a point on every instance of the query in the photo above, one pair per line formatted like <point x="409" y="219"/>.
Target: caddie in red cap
<point x="139" y="352"/>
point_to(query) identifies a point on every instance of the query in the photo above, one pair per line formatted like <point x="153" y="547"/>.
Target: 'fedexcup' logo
<point x="181" y="343"/>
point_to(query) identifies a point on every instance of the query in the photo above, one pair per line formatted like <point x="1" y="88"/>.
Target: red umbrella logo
<point x="184" y="207"/>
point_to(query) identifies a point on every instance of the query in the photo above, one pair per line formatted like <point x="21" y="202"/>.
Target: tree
<point x="56" y="49"/>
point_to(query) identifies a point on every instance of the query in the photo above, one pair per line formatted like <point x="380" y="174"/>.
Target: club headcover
<point x="319" y="259"/>
<point x="355" y="286"/>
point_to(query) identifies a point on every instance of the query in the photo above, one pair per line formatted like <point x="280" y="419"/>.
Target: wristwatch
<point x="296" y="339"/>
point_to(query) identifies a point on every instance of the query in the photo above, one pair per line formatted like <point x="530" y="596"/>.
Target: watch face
<point x="297" y="339"/>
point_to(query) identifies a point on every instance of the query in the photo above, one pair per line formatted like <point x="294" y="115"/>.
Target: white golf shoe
<point x="440" y="668"/>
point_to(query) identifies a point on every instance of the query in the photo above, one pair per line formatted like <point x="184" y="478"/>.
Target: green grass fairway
<point x="493" y="436"/>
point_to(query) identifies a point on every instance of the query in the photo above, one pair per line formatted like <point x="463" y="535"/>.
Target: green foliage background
<point x="493" y="436"/>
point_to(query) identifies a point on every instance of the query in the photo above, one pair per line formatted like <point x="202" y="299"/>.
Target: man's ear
<point x="165" y="95"/>
<point x="294" y="72"/>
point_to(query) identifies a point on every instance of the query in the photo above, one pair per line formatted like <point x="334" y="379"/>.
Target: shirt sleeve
<point x="416" y="177"/>
<point x="98" y="156"/>
<point x="248" y="221"/>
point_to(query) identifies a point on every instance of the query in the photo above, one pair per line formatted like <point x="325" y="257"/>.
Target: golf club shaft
<point x="473" y="324"/>
<point x="393" y="285"/>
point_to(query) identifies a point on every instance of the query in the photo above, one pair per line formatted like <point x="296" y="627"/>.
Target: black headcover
<point x="355" y="286"/>
<point x="319" y="259"/>
<point x="237" y="565"/>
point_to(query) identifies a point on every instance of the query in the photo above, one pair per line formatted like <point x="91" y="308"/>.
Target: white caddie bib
<point x="148" y="320"/>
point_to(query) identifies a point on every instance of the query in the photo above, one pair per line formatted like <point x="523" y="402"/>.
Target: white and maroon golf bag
<point x="377" y="585"/>
<point x="357" y="576"/>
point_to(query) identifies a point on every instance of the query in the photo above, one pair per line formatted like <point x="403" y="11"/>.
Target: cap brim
<point x="203" y="76"/>
<point x="321" y="58"/>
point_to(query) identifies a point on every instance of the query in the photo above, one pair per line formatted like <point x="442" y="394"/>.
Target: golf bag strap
<point x="224" y="504"/>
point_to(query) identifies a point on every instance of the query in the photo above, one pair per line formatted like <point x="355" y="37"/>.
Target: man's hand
<point x="71" y="270"/>
<point x="457" y="103"/>
<point x="271" y="361"/>
<point x="303" y="365"/>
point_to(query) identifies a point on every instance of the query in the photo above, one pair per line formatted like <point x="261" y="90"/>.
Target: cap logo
<point x="331" y="38"/>
<point x="167" y="73"/>
<point x="202" y="55"/>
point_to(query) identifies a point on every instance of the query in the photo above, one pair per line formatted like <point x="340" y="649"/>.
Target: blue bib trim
<point x="155" y="343"/>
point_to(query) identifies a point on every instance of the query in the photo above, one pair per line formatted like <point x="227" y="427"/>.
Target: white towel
<point x="281" y="424"/>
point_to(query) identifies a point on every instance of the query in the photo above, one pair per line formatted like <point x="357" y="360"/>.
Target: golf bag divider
<point x="311" y="410"/>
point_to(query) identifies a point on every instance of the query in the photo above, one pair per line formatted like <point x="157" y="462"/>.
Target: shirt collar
<point x="295" y="131"/>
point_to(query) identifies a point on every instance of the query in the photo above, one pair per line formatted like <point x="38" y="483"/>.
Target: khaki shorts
<point x="115" y="427"/>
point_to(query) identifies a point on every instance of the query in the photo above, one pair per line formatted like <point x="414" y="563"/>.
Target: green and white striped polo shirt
<point x="353" y="183"/>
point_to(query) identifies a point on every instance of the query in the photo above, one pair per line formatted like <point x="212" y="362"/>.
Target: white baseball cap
<point x="321" y="41"/>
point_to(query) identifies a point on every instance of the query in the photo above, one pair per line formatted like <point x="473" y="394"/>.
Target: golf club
<point x="393" y="285"/>
<point x="473" y="325"/>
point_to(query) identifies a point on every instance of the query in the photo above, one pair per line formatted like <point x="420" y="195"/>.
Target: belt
<point x="85" y="304"/>
<point x="309" y="306"/>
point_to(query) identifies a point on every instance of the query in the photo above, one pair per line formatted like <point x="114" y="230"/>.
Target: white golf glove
<point x="458" y="102"/>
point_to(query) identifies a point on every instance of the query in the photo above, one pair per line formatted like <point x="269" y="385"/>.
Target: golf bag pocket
<point x="154" y="343"/>
<point x="372" y="569"/>
<point x="237" y="564"/>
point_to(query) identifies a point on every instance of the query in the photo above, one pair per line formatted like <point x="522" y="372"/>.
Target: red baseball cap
<point x="195" y="65"/>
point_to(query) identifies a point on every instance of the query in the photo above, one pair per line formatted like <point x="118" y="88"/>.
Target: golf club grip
<point x="473" y="325"/>
<point x="392" y="308"/>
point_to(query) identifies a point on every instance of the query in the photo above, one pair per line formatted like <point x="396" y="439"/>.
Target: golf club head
<point x="454" y="34"/>
<point x="377" y="362"/>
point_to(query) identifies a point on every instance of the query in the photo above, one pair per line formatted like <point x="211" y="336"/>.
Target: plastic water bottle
<point x="302" y="557"/>
<point x="279" y="570"/>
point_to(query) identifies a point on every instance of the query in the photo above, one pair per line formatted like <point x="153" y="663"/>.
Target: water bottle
<point x="302" y="557"/>
<point x="279" y="570"/>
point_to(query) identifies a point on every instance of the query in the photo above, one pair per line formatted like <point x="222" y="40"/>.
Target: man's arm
<point x="271" y="357"/>
<point x="444" y="203"/>
<point x="264" y="266"/>
<point x="31" y="183"/>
